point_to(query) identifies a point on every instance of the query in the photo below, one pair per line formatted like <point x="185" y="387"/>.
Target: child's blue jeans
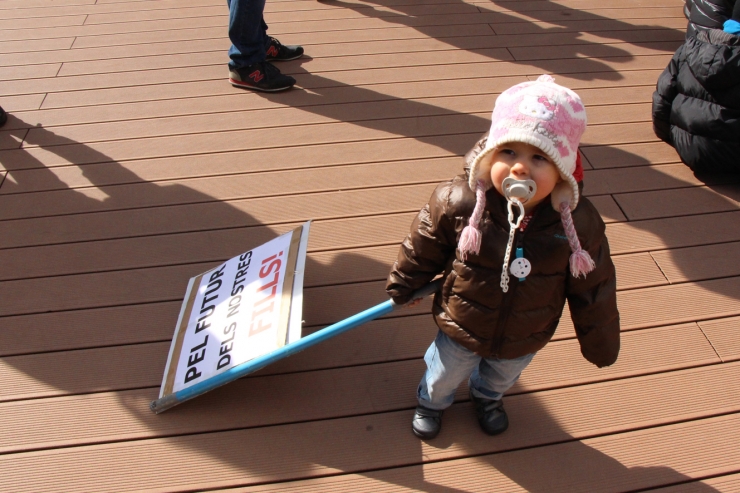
<point x="448" y="364"/>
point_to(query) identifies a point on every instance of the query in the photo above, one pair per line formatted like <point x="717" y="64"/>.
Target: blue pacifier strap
<point x="520" y="254"/>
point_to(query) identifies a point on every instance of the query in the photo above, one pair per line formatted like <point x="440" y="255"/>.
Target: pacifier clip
<point x="517" y="192"/>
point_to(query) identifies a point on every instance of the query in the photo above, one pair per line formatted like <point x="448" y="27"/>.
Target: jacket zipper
<point x="498" y="337"/>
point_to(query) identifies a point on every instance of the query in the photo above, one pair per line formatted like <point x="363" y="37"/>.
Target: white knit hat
<point x="552" y="118"/>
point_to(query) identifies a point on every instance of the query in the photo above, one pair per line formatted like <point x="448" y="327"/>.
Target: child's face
<point x="524" y="161"/>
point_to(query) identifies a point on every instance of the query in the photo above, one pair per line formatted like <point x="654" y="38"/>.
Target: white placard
<point x="248" y="306"/>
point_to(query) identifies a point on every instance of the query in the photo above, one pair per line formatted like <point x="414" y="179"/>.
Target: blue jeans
<point x="448" y="364"/>
<point x="247" y="32"/>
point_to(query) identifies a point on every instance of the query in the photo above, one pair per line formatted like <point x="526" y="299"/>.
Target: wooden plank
<point x="486" y="16"/>
<point x="679" y="202"/>
<point x="619" y="155"/>
<point x="82" y="371"/>
<point x="13" y="28"/>
<point x="105" y="29"/>
<point x="350" y="112"/>
<point x="591" y="25"/>
<point x="536" y="419"/>
<point x="238" y="140"/>
<point x="614" y="466"/>
<point x="197" y="246"/>
<point x="428" y="129"/>
<point x="310" y="39"/>
<point x="70" y="201"/>
<point x="639" y="179"/>
<point x="721" y="484"/>
<point x="723" y="336"/>
<point x="421" y="92"/>
<point x="164" y="55"/>
<point x="273" y="118"/>
<point x="706" y="262"/>
<point x="55" y="7"/>
<point x="673" y="232"/>
<point x="292" y="16"/>
<point x="88" y="328"/>
<point x="70" y="177"/>
<point x="11" y="104"/>
<point x="608" y="208"/>
<point x="12" y="139"/>
<point x="413" y="93"/>
<point x="279" y="26"/>
<point x="207" y="216"/>
<point x="25" y="72"/>
<point x="594" y="51"/>
<point x="671" y="304"/>
<point x="187" y="87"/>
<point x="41" y="424"/>
<point x="14" y="4"/>
<point x="67" y="56"/>
<point x="155" y="118"/>
<point x="16" y="48"/>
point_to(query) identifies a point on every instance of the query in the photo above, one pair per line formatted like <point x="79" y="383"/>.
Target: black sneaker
<point x="280" y="52"/>
<point x="426" y="423"/>
<point x="491" y="415"/>
<point x="261" y="76"/>
<point x="3" y="117"/>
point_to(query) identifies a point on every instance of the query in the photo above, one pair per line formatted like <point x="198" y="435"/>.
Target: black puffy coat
<point x="696" y="107"/>
<point x="471" y="307"/>
<point x="706" y="14"/>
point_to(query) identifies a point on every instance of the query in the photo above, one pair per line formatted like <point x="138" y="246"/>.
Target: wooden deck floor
<point x="130" y="165"/>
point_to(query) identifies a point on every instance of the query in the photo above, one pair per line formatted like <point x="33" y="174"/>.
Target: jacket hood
<point x="714" y="58"/>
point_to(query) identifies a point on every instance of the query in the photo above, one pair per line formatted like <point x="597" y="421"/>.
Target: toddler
<point x="513" y="239"/>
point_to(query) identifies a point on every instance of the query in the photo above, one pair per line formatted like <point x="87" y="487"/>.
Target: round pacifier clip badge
<point x="517" y="192"/>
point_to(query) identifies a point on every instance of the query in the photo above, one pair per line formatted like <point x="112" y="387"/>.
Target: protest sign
<point x="249" y="306"/>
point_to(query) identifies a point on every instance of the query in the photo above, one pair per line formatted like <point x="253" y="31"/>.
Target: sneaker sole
<point x="241" y="85"/>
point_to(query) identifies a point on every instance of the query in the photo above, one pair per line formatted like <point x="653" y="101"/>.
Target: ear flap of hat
<point x="567" y="190"/>
<point x="480" y="169"/>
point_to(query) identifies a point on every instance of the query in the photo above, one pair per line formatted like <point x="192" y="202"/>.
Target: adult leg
<point x="248" y="67"/>
<point x="247" y="32"/>
<point x="487" y="385"/>
<point x="448" y="364"/>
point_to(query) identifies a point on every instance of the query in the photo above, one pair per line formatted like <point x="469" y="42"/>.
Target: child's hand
<point x="414" y="303"/>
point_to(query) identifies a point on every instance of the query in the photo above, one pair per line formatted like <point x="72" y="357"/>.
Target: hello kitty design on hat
<point x="552" y="118"/>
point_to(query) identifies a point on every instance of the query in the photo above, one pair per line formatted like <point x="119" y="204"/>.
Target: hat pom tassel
<point x="581" y="262"/>
<point x="471" y="237"/>
<point x="469" y="241"/>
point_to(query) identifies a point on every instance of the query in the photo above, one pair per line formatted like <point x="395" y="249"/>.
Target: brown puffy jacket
<point x="472" y="308"/>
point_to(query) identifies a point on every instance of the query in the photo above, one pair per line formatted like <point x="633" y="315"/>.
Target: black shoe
<point x="426" y="423"/>
<point x="261" y="76"/>
<point x="491" y="415"/>
<point x="280" y="52"/>
<point x="3" y="117"/>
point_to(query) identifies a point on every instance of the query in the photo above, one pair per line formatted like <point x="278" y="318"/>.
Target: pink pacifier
<point x="519" y="190"/>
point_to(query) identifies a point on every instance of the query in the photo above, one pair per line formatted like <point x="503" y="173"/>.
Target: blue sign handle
<point x="260" y="362"/>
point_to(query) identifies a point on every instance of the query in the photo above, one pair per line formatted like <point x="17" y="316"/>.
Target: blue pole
<point x="260" y="362"/>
